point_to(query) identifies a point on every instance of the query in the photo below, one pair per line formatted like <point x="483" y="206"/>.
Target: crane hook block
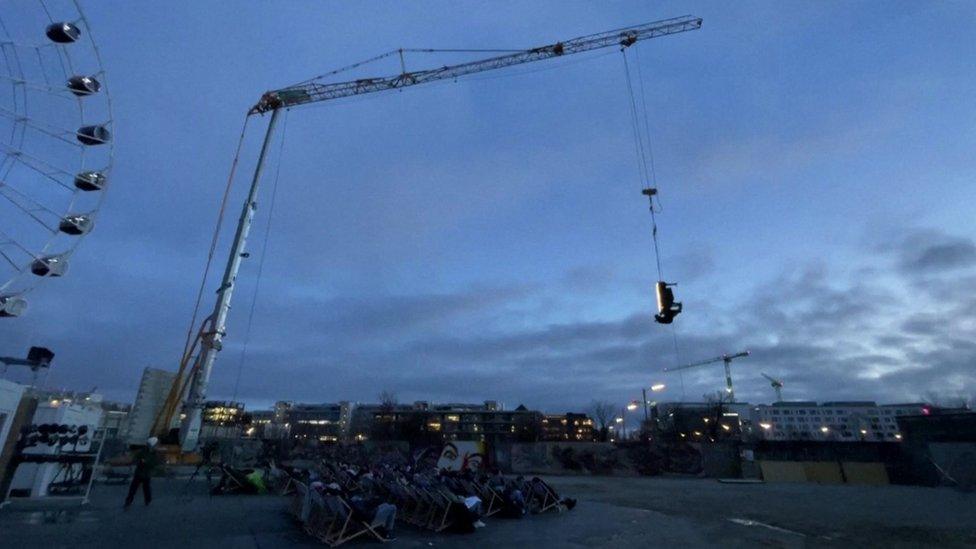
<point x="667" y="308"/>
<point x="650" y="191"/>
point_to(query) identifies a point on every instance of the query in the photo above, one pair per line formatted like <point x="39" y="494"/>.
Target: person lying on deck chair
<point x="238" y="481"/>
<point x="540" y="486"/>
<point x="380" y="513"/>
<point x="466" y="508"/>
<point x="512" y="497"/>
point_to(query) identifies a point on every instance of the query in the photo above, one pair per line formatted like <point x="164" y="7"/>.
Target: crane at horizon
<point x="776" y="384"/>
<point x="725" y="359"/>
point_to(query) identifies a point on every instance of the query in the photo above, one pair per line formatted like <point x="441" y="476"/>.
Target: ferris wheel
<point x="55" y="142"/>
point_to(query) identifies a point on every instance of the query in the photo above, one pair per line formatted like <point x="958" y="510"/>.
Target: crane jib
<point x="313" y="92"/>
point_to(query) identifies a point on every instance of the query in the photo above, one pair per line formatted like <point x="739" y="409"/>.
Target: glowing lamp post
<point x="656" y="388"/>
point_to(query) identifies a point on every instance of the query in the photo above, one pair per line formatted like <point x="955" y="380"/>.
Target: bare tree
<point x="388" y="400"/>
<point x="718" y="397"/>
<point x="603" y="413"/>
<point x="946" y="401"/>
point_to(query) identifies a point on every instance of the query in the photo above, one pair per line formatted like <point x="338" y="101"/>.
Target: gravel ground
<point x="817" y="515"/>
<point x="612" y="512"/>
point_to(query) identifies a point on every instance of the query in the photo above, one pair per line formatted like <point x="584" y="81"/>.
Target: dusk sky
<point x="486" y="239"/>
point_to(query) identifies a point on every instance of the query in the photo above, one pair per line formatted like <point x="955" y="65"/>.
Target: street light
<point x="655" y="388"/>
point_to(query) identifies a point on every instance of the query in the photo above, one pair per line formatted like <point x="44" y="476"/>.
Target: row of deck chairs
<point x="434" y="506"/>
<point x="329" y="517"/>
<point x="427" y="501"/>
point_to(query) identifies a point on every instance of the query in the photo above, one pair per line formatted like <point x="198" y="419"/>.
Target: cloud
<point x="829" y="336"/>
<point x="931" y="251"/>
<point x="946" y="256"/>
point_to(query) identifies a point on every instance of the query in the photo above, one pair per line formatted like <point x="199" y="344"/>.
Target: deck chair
<point x="426" y="505"/>
<point x="234" y="481"/>
<point x="299" y="502"/>
<point x="412" y="510"/>
<point x="543" y="495"/>
<point x="347" y="525"/>
<point x="491" y="501"/>
<point x="284" y="480"/>
<point x="426" y="508"/>
<point x="320" y="520"/>
<point x="347" y="481"/>
<point x="440" y="502"/>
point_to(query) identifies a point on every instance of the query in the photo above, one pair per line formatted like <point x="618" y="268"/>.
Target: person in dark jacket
<point x="145" y="460"/>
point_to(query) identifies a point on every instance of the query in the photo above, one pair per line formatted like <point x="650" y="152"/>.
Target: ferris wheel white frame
<point x="83" y="82"/>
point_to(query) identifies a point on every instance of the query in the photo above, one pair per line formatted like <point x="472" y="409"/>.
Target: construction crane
<point x="190" y="385"/>
<point x="777" y="386"/>
<point x="726" y="359"/>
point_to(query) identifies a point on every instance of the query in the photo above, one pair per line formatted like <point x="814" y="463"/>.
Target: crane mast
<point x="210" y="336"/>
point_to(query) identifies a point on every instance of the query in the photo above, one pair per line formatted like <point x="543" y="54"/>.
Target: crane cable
<point x="213" y="243"/>
<point x="264" y="255"/>
<point x="648" y="175"/>
<point x="644" y="168"/>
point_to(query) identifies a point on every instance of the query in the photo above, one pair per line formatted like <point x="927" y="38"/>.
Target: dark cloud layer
<point x="826" y="336"/>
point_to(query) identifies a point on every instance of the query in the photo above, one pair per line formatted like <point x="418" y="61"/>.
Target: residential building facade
<point x="222" y="419"/>
<point x="832" y="421"/>
<point x="567" y="427"/>
<point x="326" y="422"/>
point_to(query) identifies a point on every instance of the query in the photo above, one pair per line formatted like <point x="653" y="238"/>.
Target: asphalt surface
<point x="612" y="512"/>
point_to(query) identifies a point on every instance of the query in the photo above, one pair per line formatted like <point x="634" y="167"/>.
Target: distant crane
<point x="777" y="386"/>
<point x="193" y="375"/>
<point x="727" y="359"/>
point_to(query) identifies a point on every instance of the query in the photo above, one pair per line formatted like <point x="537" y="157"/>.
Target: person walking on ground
<point x="145" y="460"/>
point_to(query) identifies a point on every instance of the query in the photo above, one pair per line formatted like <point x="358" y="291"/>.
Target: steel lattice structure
<point x="313" y="92"/>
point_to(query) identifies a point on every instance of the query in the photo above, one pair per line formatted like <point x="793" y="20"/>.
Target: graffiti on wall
<point x="453" y="456"/>
<point x="461" y="455"/>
